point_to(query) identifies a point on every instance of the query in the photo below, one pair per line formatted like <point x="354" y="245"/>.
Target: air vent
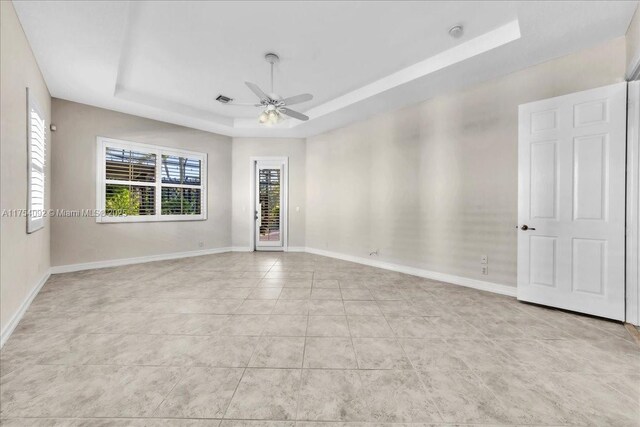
<point x="224" y="99"/>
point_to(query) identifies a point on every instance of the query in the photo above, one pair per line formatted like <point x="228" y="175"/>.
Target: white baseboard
<point x="137" y="260"/>
<point x="249" y="249"/>
<point x="15" y="319"/>
<point x="442" y="277"/>
<point x="449" y="278"/>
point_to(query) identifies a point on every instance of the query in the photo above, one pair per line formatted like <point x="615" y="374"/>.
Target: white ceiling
<point x="169" y="60"/>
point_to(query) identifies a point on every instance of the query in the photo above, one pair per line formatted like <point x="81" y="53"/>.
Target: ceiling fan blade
<point x="297" y="99"/>
<point x="255" y="89"/>
<point x="293" y="114"/>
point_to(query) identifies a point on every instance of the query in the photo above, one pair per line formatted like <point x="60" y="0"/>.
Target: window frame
<point x="35" y="222"/>
<point x="159" y="151"/>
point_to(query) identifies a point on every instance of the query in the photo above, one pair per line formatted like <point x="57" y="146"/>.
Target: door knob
<point x="526" y="227"/>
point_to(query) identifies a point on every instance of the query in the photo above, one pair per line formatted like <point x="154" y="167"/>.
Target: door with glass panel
<point x="269" y="211"/>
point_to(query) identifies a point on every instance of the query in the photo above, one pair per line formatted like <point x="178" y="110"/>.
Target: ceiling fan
<point x="275" y="105"/>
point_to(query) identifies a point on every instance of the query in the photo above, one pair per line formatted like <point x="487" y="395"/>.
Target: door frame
<point x="632" y="265"/>
<point x="284" y="191"/>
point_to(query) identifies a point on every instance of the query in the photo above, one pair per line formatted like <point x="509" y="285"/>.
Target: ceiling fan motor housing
<point x="272" y="58"/>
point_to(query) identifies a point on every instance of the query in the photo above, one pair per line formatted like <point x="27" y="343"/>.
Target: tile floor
<point x="297" y="339"/>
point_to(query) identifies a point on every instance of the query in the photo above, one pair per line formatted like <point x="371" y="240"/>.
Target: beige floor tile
<point x="278" y="352"/>
<point x="356" y="294"/>
<point x="380" y="353"/>
<point x="109" y="422"/>
<point x="327" y="284"/>
<point x="369" y="326"/>
<point x="267" y="394"/>
<point x="253" y="423"/>
<point x="398" y="308"/>
<point x="295" y="293"/>
<point x="244" y="324"/>
<point x="286" y="326"/>
<point x="530" y="397"/>
<point x="462" y="397"/>
<point x="480" y="354"/>
<point x="326" y="307"/>
<point x="326" y="293"/>
<point x="98" y="391"/>
<point x="362" y="308"/>
<point x="265" y="294"/>
<point x="332" y="395"/>
<point x="412" y="327"/>
<point x="433" y="354"/>
<point x="292" y="307"/>
<point x="328" y="326"/>
<point x="335" y="353"/>
<point x="256" y="307"/>
<point x="397" y="396"/>
<point x="201" y="393"/>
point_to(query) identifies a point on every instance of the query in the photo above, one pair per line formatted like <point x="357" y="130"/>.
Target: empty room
<point x="319" y="214"/>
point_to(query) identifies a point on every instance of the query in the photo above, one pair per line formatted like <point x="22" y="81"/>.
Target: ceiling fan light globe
<point x="263" y="117"/>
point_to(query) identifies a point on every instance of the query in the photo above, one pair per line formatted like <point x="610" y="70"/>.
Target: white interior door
<point x="270" y="208"/>
<point x="571" y="201"/>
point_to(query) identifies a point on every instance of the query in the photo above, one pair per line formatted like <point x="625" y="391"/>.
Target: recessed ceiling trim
<point x="476" y="46"/>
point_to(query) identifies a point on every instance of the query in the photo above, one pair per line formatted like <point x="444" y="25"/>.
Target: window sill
<point x="150" y="218"/>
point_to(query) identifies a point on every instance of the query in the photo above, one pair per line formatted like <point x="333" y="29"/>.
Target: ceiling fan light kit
<point x="275" y="107"/>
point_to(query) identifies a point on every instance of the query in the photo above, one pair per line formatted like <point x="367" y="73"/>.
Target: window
<point x="36" y="158"/>
<point x="140" y="182"/>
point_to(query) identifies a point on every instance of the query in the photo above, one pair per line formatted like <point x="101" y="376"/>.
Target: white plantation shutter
<point x="36" y="158"/>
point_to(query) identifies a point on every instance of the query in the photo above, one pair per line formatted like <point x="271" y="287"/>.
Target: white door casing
<point x="571" y="196"/>
<point x="633" y="204"/>
<point x="276" y="238"/>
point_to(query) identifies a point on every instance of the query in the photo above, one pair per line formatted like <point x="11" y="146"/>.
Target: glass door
<point x="268" y="212"/>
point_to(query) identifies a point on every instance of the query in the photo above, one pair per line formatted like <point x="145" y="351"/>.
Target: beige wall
<point x="25" y="257"/>
<point x="434" y="186"/>
<point x="633" y="42"/>
<point x="243" y="150"/>
<point x="81" y="240"/>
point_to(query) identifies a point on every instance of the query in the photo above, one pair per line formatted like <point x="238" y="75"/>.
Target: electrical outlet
<point x="485" y="270"/>
<point x="200" y="244"/>
<point x="484" y="259"/>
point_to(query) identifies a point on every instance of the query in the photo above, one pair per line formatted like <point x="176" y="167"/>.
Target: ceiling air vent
<point x="224" y="99"/>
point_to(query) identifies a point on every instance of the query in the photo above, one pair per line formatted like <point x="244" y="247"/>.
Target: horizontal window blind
<point x="269" y="199"/>
<point x="128" y="165"/>
<point x="140" y="182"/>
<point x="180" y="170"/>
<point x="181" y="182"/>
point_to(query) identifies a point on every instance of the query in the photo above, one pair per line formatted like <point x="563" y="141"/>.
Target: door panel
<point x="589" y="180"/>
<point x="543" y="179"/>
<point x="269" y="205"/>
<point x="571" y="197"/>
<point x="543" y="260"/>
